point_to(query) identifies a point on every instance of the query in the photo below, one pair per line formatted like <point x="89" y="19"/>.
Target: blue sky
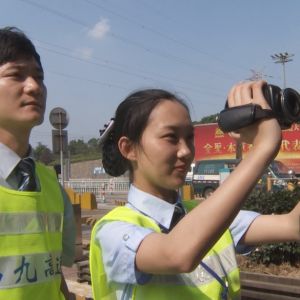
<point x="96" y="52"/>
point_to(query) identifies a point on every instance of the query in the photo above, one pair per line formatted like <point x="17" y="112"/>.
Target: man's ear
<point x="127" y="148"/>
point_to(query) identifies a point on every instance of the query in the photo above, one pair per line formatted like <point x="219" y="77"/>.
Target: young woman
<point x="136" y="251"/>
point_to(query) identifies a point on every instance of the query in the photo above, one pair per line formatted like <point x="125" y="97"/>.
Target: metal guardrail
<point x="99" y="186"/>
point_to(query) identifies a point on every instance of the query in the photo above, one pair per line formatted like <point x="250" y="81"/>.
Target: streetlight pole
<point x="282" y="58"/>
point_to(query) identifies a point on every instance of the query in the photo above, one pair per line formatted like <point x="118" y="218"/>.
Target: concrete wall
<point x="85" y="169"/>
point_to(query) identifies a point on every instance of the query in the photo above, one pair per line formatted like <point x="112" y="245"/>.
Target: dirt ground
<point x="285" y="269"/>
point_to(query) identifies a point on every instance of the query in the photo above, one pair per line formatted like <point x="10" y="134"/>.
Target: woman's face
<point x="166" y="150"/>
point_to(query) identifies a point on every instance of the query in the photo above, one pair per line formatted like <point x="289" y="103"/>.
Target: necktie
<point x="26" y="170"/>
<point x="177" y="215"/>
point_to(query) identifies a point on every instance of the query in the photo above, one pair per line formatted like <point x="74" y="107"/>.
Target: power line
<point x="157" y="11"/>
<point x="128" y="41"/>
<point x="121" y="87"/>
<point x="161" y="34"/>
<point x="110" y="85"/>
<point x="106" y="62"/>
<point x="117" y="70"/>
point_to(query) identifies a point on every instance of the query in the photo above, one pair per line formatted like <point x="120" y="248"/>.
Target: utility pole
<point x="258" y="75"/>
<point x="282" y="58"/>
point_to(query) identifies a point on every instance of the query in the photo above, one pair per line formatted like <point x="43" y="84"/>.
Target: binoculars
<point x="284" y="103"/>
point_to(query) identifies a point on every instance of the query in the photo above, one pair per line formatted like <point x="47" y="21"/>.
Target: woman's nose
<point x="185" y="149"/>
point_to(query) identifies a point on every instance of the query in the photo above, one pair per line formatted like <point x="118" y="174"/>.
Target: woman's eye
<point x="171" y="137"/>
<point x="191" y="137"/>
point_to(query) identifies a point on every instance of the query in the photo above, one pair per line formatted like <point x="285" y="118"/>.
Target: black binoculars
<point x="284" y="103"/>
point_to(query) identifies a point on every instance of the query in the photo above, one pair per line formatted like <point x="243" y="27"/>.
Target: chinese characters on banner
<point x="212" y="143"/>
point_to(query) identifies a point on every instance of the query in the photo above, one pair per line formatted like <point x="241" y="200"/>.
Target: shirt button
<point x="125" y="237"/>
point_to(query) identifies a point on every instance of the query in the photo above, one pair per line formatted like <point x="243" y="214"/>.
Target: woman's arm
<point x="274" y="228"/>
<point x="182" y="249"/>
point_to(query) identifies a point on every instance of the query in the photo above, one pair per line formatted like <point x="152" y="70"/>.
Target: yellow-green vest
<point x="31" y="240"/>
<point x="197" y="285"/>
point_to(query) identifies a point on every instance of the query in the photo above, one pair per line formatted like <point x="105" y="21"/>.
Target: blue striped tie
<point x="26" y="171"/>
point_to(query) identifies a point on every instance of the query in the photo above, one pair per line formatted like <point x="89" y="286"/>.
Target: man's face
<point x="22" y="94"/>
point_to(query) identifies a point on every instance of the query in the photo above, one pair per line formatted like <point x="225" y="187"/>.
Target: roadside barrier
<point x="99" y="187"/>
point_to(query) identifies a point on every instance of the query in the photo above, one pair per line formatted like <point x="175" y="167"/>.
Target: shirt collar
<point x="157" y="209"/>
<point x="11" y="159"/>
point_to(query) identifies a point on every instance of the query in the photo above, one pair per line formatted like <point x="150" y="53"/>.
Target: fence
<point x="99" y="187"/>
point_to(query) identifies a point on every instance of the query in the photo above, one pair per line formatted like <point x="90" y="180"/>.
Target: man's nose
<point x="33" y="85"/>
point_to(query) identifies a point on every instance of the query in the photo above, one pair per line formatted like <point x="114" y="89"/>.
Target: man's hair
<point x="14" y="45"/>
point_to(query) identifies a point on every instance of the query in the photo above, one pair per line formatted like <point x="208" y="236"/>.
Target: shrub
<point x="279" y="202"/>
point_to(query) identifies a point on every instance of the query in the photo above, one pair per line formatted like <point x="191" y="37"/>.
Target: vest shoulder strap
<point x="123" y="213"/>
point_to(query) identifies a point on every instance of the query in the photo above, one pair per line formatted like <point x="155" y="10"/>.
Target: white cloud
<point x="84" y="53"/>
<point x="99" y="30"/>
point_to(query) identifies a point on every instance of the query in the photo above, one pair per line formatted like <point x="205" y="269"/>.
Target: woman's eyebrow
<point x="178" y="127"/>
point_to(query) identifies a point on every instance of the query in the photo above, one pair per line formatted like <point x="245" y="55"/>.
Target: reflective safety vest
<point x="197" y="285"/>
<point x="31" y="240"/>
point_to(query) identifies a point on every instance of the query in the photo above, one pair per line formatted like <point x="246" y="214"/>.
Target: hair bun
<point x="112" y="160"/>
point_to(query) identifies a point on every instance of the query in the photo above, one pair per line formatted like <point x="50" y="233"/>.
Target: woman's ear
<point x="127" y="148"/>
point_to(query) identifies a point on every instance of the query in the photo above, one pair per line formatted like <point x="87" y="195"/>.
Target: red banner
<point x="212" y="143"/>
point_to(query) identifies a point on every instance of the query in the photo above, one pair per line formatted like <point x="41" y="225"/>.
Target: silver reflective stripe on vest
<point x="17" y="271"/>
<point x="222" y="264"/>
<point x="30" y="222"/>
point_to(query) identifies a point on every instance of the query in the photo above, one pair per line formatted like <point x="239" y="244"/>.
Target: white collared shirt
<point x="9" y="160"/>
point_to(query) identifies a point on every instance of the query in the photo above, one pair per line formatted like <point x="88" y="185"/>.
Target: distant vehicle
<point x="189" y="175"/>
<point x="98" y="171"/>
<point x="206" y="176"/>
<point x="280" y="175"/>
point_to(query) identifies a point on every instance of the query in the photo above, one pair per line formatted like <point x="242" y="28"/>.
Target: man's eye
<point x="40" y="77"/>
<point x="14" y="75"/>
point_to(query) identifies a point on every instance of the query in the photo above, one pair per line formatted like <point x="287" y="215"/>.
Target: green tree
<point x="78" y="147"/>
<point x="43" y="154"/>
<point x="93" y="145"/>
<point x="208" y="119"/>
